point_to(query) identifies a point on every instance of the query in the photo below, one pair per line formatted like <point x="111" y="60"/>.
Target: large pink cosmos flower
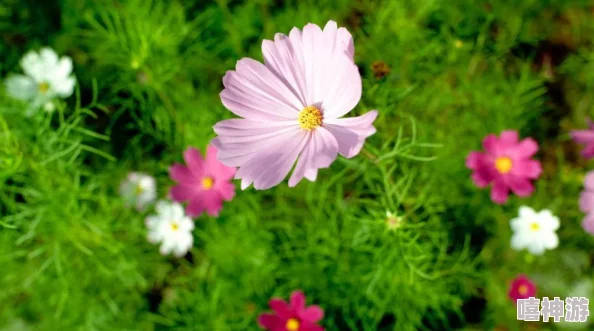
<point x="204" y="184"/>
<point x="587" y="203"/>
<point x="521" y="288"/>
<point x="293" y="316"/>
<point x="585" y="137"/>
<point x="506" y="163"/>
<point x="291" y="107"/>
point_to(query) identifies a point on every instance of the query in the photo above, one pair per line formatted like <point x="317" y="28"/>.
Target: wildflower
<point x="534" y="230"/>
<point x="392" y="221"/>
<point x="587" y="203"/>
<point x="291" y="107"/>
<point x="138" y="190"/>
<point x="506" y="163"/>
<point x="46" y="77"/>
<point x="170" y="227"/>
<point x="585" y="137"/>
<point x="203" y="183"/>
<point x="521" y="288"/>
<point x="293" y="316"/>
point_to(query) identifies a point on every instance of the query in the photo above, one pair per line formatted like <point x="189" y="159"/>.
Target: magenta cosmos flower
<point x="506" y="164"/>
<point x="521" y="288"/>
<point x="291" y="107"/>
<point x="587" y="202"/>
<point x="203" y="183"/>
<point x="585" y="137"/>
<point x="292" y="316"/>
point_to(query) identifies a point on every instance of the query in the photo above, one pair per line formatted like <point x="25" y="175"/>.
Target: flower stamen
<point x="310" y="118"/>
<point x="503" y="164"/>
<point x="207" y="183"/>
<point x="534" y="226"/>
<point x="292" y="324"/>
<point x="43" y="87"/>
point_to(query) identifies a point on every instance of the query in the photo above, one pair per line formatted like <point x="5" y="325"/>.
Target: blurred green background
<point x="442" y="75"/>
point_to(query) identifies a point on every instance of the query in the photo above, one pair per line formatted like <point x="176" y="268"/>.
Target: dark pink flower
<point x="521" y="288"/>
<point x="507" y="164"/>
<point x="585" y="137"/>
<point x="587" y="202"/>
<point x="204" y="184"/>
<point x="292" y="316"/>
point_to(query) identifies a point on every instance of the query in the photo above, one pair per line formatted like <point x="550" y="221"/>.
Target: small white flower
<point x="172" y="228"/>
<point x="138" y="190"/>
<point x="46" y="77"/>
<point x="392" y="221"/>
<point x="534" y="230"/>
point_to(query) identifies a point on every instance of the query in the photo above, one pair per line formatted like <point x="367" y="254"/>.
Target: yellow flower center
<point x="207" y="183"/>
<point x="534" y="226"/>
<point x="174" y="226"/>
<point x="43" y="87"/>
<point x="503" y="164"/>
<point x="310" y="118"/>
<point x="523" y="289"/>
<point x="292" y="324"/>
<point x="139" y="189"/>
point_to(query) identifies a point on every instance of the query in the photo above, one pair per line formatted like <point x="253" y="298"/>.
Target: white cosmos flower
<point x="534" y="230"/>
<point x="46" y="77"/>
<point x="172" y="228"/>
<point x="138" y="190"/>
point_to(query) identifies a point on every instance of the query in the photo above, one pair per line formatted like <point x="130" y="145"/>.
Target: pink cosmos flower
<point x="293" y="316"/>
<point x="291" y="107"/>
<point x="587" y="203"/>
<point x="585" y="137"/>
<point x="521" y="288"/>
<point x="204" y="184"/>
<point x="506" y="163"/>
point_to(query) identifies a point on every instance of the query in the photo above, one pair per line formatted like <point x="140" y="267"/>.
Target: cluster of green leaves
<point x="149" y="74"/>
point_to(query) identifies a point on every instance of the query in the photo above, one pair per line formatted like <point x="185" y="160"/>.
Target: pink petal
<point x="271" y="165"/>
<point x="508" y="138"/>
<point x="254" y="92"/>
<point x="182" y="192"/>
<point x="586" y="201"/>
<point x="195" y="162"/>
<point x="588" y="151"/>
<point x="269" y="321"/>
<point x="475" y="160"/>
<point x="524" y="150"/>
<point x="298" y="301"/>
<point x="285" y="60"/>
<point x="181" y="174"/>
<point x="281" y="308"/>
<point x="526" y="168"/>
<point x="215" y="168"/>
<point x="312" y="314"/>
<point x="520" y="186"/>
<point x="310" y="327"/>
<point x="491" y="145"/>
<point x="589" y="181"/>
<point x="235" y="152"/>
<point x="582" y="136"/>
<point x="332" y="78"/>
<point x="499" y="192"/>
<point x="321" y="149"/>
<point x="351" y="132"/>
<point x="226" y="190"/>
<point x="588" y="223"/>
<point x="195" y="207"/>
<point x="209" y="201"/>
<point x="479" y="179"/>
